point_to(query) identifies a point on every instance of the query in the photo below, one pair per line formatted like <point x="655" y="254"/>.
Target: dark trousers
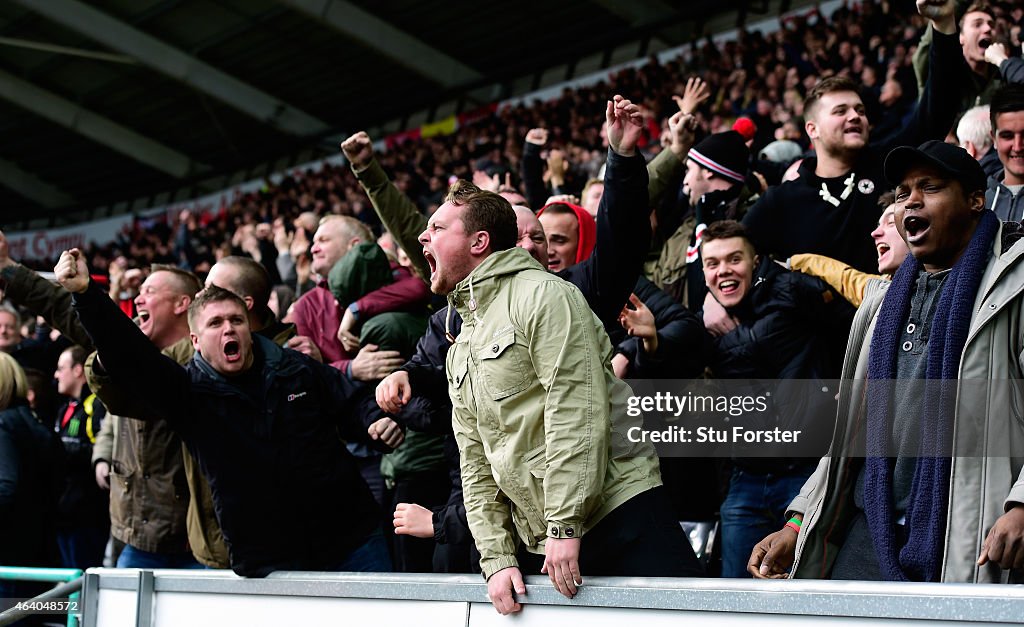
<point x="429" y="489"/>
<point x="82" y="547"/>
<point x="640" y="538"/>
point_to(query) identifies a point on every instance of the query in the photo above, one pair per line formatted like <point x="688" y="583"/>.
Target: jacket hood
<point x="477" y="289"/>
<point x="586" y="230"/>
<point x="362" y="270"/>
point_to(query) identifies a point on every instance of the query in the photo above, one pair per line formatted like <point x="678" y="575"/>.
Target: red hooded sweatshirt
<point x="587" y="229"/>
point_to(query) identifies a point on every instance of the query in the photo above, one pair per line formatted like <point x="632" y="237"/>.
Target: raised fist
<point x="71" y="271"/>
<point x="358" y="150"/>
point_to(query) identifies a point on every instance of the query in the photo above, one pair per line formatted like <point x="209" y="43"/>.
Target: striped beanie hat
<point x="725" y="154"/>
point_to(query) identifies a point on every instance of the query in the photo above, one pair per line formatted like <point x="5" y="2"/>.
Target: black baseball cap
<point x="952" y="160"/>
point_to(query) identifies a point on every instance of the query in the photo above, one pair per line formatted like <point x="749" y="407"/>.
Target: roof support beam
<point x="637" y="13"/>
<point x="389" y="41"/>
<point x="177" y="64"/>
<point x="32" y="187"/>
<point x="96" y="127"/>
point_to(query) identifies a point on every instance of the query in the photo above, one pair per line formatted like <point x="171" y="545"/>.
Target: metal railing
<point x="197" y="598"/>
<point x="70" y="580"/>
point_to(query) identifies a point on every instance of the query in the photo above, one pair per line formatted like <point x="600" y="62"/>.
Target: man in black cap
<point x="923" y="482"/>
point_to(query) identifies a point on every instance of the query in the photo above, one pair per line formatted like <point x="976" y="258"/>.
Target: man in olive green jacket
<point x="537" y="414"/>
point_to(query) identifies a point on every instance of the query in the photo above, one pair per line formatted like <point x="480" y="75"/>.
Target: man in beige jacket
<point x="538" y="414"/>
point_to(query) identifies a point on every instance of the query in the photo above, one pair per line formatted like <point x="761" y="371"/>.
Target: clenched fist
<point x="71" y="271"/>
<point x="358" y="150"/>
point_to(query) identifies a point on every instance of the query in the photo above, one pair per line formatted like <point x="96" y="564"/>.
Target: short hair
<point x="825" y="86"/>
<point x="184" y="282"/>
<point x="485" y="211"/>
<point x="976" y="127"/>
<point x="1007" y="99"/>
<point x="6" y="308"/>
<point x="726" y="229"/>
<point x="253" y="279"/>
<point x="212" y="294"/>
<point x="591" y="183"/>
<point x="982" y="6"/>
<point x="352" y="227"/>
<point x="886" y="199"/>
<point x="78" y="354"/>
<point x="559" y="209"/>
<point x="13" y="384"/>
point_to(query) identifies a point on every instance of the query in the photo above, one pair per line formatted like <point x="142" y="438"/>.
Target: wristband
<point x="794" y="527"/>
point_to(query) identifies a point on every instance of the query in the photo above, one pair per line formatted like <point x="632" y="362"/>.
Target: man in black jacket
<point x="263" y="424"/>
<point x="790" y="326"/>
<point x="831" y="207"/>
<point x="83" y="517"/>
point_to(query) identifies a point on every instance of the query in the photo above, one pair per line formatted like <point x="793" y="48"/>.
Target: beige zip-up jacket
<point x="538" y="414"/>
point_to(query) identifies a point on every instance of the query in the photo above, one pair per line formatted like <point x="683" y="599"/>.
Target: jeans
<point x="755" y="507"/>
<point x="369" y="557"/>
<point x="132" y="557"/>
<point x="82" y="547"/>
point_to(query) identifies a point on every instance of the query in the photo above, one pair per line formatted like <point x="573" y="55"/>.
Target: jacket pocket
<point x="502" y="367"/>
<point x="537" y="462"/>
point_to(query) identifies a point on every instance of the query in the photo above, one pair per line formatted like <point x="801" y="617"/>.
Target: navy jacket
<point x="287" y="493"/>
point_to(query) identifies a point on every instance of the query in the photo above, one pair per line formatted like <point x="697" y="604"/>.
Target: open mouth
<point x="882" y="248"/>
<point x="728" y="287"/>
<point x="853" y="130"/>
<point x="232" y="351"/>
<point x="915" y="227"/>
<point x="984" y="42"/>
<point x="430" y="261"/>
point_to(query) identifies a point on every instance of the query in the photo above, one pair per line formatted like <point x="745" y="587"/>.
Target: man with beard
<point x="536" y="408"/>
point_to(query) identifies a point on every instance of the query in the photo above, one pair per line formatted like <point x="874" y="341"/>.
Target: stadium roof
<point x="113" y="100"/>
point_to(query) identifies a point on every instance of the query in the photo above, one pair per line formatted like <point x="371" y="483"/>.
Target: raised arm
<point x="1010" y="68"/>
<point x="531" y="168"/>
<point x="396" y="211"/>
<point x="939" y="102"/>
<point x="125" y="352"/>
<point x="623" y="224"/>
<point x="26" y="288"/>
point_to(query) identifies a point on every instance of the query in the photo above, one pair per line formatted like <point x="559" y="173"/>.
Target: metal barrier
<point x="70" y="578"/>
<point x="128" y="597"/>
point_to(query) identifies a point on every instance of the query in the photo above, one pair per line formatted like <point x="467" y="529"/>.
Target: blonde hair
<point x="351" y="227"/>
<point x="13" y="384"/>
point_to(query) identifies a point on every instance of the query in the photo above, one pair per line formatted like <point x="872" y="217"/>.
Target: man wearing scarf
<point x="923" y="481"/>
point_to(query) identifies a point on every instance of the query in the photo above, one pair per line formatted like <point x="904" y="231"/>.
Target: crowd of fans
<point x="743" y="131"/>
